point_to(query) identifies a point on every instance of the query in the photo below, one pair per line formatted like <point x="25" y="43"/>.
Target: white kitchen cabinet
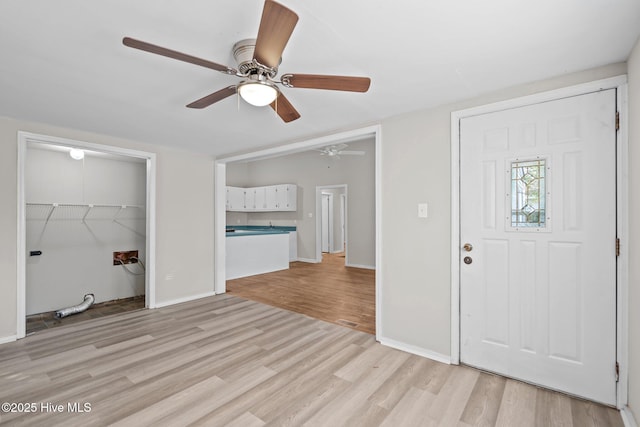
<point x="293" y="246"/>
<point x="286" y="197"/>
<point x="259" y="196"/>
<point x="281" y="197"/>
<point x="271" y="198"/>
<point x="235" y="199"/>
<point x="256" y="254"/>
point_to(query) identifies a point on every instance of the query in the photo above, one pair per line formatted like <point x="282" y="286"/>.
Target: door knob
<point x="468" y="247"/>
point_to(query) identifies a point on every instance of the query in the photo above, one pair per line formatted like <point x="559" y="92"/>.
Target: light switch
<point x="310" y="214"/>
<point x="422" y="210"/>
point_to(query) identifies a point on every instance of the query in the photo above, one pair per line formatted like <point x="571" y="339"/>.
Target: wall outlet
<point x="423" y="210"/>
<point x="125" y="257"/>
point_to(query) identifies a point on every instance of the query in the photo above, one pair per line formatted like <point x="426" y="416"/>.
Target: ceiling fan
<point x="258" y="61"/>
<point x="338" y="150"/>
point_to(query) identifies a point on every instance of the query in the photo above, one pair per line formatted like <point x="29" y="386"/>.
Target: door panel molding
<point x="619" y="83"/>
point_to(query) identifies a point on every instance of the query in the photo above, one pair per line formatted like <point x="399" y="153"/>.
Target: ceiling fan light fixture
<point x="258" y="93"/>
<point x="76" y="154"/>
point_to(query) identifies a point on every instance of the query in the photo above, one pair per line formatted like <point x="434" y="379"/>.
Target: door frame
<point x="374" y="131"/>
<point x="319" y="195"/>
<point x="328" y="221"/>
<point x="24" y="138"/>
<point x="622" y="180"/>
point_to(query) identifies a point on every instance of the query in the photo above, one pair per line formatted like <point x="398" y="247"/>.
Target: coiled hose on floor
<point x="64" y="312"/>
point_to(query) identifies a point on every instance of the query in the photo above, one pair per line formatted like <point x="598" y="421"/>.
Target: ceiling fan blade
<point x="213" y="98"/>
<point x="284" y="109"/>
<point x="317" y="81"/>
<point x="351" y="153"/>
<point x="148" y="47"/>
<point x="276" y="25"/>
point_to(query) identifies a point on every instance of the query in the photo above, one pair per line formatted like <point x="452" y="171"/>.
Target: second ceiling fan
<point x="258" y="61"/>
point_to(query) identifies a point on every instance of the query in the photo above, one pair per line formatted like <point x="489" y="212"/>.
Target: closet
<point x="80" y="212"/>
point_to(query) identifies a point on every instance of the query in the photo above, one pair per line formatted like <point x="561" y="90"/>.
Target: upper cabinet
<point x="235" y="199"/>
<point x="281" y="197"/>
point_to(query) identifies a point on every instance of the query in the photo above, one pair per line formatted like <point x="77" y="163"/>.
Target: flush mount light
<point x="76" y="154"/>
<point x="258" y="93"/>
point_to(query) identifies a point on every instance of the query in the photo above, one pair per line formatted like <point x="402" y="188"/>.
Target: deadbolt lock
<point x="468" y="247"/>
<point x="467" y="260"/>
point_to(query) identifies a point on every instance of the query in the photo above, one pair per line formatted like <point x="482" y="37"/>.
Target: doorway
<point x="537" y="231"/>
<point x="331" y="221"/>
<point x="63" y="224"/>
<point x="372" y="132"/>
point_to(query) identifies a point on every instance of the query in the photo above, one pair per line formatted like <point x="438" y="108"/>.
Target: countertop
<point x="257" y="230"/>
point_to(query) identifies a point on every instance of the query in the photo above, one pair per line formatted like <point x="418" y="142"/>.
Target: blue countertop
<point x="257" y="230"/>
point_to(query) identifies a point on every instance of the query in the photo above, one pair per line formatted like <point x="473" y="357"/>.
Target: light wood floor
<point x="327" y="291"/>
<point x="225" y="360"/>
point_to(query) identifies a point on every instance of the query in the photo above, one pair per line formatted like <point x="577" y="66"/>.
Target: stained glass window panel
<point x="528" y="194"/>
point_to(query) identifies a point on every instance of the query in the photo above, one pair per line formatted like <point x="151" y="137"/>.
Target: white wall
<point x="77" y="256"/>
<point x="184" y="192"/>
<point x="634" y="230"/>
<point x="308" y="170"/>
<point x="416" y="279"/>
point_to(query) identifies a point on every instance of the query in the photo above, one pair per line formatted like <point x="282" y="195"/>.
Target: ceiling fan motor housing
<point x="243" y="53"/>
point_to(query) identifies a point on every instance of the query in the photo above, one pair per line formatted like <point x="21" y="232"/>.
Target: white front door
<point x="538" y="209"/>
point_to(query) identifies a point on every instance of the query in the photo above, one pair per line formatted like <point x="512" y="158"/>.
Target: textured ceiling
<point x="63" y="63"/>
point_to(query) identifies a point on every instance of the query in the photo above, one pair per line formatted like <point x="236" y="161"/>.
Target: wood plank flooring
<point x="327" y="291"/>
<point x="225" y="360"/>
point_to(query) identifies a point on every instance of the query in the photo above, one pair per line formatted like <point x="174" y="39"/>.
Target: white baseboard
<point x="368" y="267"/>
<point x="309" y="260"/>
<point x="185" y="299"/>
<point x="419" y="351"/>
<point x="10" y="338"/>
<point x="627" y="417"/>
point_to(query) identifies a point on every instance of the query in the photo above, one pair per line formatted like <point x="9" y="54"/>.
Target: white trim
<point x="622" y="181"/>
<point x="379" y="265"/>
<point x="419" y="351"/>
<point x="538" y="98"/>
<point x="619" y="83"/>
<point x="320" y="219"/>
<point x="150" y="249"/>
<point x="21" y="274"/>
<point x="219" y="225"/>
<point x="627" y="417"/>
<point x="305" y="145"/>
<point x="309" y="260"/>
<point x="150" y="279"/>
<point x="319" y="189"/>
<point x="10" y="338"/>
<point x="184" y="299"/>
<point x="368" y="267"/>
<point x="356" y="134"/>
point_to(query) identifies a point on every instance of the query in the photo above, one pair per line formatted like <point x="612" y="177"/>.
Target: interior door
<point x="538" y="238"/>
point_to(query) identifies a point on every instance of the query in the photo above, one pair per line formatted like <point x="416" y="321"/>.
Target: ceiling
<point x="63" y="63"/>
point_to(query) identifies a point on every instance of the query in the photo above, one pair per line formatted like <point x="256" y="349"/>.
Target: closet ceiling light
<point x="76" y="154"/>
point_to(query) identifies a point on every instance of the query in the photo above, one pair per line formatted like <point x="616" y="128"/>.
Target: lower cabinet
<point x="256" y="254"/>
<point x="293" y="246"/>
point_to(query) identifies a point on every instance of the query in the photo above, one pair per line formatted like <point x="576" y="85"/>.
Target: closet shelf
<point x="82" y="211"/>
